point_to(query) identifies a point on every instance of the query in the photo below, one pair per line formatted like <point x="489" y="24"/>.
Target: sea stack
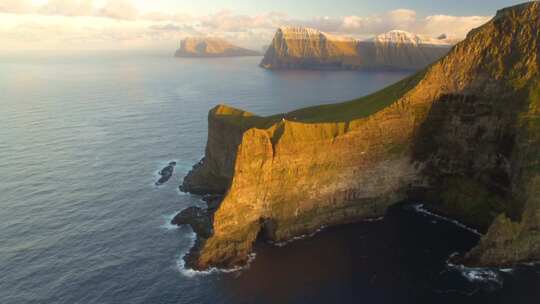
<point x="306" y="48"/>
<point x="211" y="47"/>
<point x="462" y="135"/>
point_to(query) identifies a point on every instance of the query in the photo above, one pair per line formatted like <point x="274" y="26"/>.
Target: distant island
<point x="211" y="47"/>
<point x="307" y="48"/>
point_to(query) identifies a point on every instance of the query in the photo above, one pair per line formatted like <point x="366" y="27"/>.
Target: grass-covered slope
<point x="330" y="113"/>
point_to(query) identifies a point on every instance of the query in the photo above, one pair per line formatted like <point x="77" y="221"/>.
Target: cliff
<point x="211" y="47"/>
<point x="462" y="135"/>
<point x="296" y="47"/>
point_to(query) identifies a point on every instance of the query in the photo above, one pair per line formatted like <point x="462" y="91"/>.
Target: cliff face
<point x="211" y="47"/>
<point x="464" y="136"/>
<point x="295" y="47"/>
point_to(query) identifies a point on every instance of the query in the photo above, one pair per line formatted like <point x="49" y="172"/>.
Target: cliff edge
<point x="462" y="135"/>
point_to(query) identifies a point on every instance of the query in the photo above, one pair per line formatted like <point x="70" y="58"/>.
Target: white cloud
<point x="457" y="27"/>
<point x="229" y="22"/>
<point x="16" y="6"/>
<point x="119" y="9"/>
<point x="402" y="18"/>
<point x="67" y="8"/>
<point x="120" y="24"/>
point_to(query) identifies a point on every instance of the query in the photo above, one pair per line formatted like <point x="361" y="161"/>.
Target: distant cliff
<point x="305" y="48"/>
<point x="463" y="136"/>
<point x="211" y="47"/>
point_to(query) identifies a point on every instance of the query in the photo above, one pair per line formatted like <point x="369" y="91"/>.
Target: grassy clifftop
<point x="343" y="112"/>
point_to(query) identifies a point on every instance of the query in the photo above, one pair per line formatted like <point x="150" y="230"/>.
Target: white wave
<point x="420" y="208"/>
<point x="459" y="267"/>
<point x="480" y="275"/>
<point x="297" y="238"/>
<point x="371" y="220"/>
<point x="310" y="235"/>
<point x="167" y="225"/>
<point x="190" y="273"/>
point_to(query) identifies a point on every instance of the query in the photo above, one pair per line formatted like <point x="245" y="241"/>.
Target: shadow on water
<point x="400" y="259"/>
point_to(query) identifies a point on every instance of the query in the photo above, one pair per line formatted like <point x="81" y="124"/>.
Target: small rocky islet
<point x="166" y="173"/>
<point x="462" y="135"/>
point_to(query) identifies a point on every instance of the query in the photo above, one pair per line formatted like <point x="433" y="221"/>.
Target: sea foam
<point x="190" y="273"/>
<point x="420" y="208"/>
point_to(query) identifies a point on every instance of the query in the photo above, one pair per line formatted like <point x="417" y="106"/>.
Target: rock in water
<point x="462" y="135"/>
<point x="305" y="48"/>
<point x="211" y="47"/>
<point x="199" y="220"/>
<point x="166" y="173"/>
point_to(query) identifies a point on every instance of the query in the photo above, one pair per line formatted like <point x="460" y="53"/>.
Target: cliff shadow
<point x="465" y="147"/>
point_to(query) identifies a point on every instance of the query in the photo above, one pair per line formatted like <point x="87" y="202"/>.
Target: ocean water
<point x="82" y="137"/>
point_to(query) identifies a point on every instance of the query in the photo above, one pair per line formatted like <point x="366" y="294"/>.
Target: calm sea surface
<point x="82" y="137"/>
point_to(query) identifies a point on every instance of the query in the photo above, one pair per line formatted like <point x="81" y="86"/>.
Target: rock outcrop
<point x="462" y="135"/>
<point x="211" y="47"/>
<point x="305" y="48"/>
<point x="166" y="173"/>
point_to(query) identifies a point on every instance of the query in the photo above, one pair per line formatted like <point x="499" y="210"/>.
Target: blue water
<point x="82" y="137"/>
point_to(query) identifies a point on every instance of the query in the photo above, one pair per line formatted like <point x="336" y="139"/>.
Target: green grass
<point x="330" y="113"/>
<point x="358" y="108"/>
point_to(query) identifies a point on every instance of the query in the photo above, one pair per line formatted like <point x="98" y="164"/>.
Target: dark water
<point x="82" y="138"/>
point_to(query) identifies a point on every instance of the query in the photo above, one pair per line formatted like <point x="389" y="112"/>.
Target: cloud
<point x="171" y="27"/>
<point x="115" y="9"/>
<point x="119" y="24"/>
<point x="453" y="26"/>
<point x="16" y="6"/>
<point x="67" y="8"/>
<point x="402" y="18"/>
<point x="119" y="9"/>
<point x="229" y="22"/>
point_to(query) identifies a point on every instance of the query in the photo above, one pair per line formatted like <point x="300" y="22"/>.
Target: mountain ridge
<point x="301" y="47"/>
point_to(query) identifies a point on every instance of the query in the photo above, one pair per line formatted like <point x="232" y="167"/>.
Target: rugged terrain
<point x="462" y="135"/>
<point x="297" y="47"/>
<point x="211" y="47"/>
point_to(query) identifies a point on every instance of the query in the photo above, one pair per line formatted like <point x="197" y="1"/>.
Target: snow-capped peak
<point x="403" y="37"/>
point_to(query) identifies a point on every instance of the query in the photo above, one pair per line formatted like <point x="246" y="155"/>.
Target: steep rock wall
<point x="462" y="135"/>
<point x="296" y="48"/>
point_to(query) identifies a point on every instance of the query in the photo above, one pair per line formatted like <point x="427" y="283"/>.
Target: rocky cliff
<point x="296" y="47"/>
<point x="211" y="47"/>
<point x="462" y="135"/>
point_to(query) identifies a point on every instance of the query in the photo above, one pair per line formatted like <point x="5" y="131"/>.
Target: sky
<point x="161" y="24"/>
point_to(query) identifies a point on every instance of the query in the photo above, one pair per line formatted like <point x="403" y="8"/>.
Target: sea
<point x="82" y="139"/>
